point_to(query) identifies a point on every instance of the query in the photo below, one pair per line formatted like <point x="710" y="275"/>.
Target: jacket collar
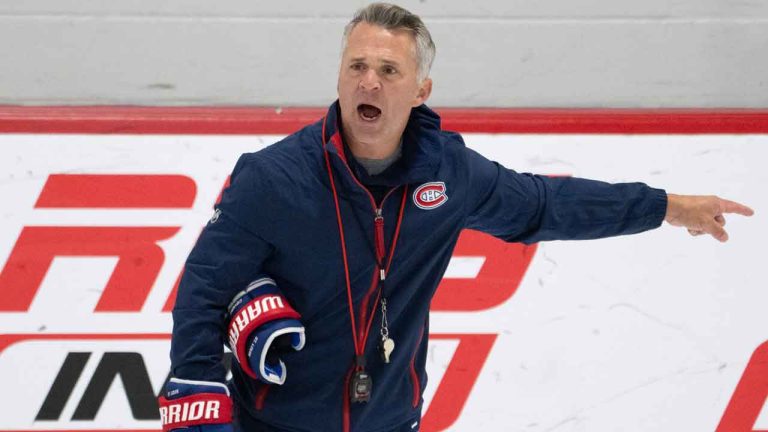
<point x="421" y="152"/>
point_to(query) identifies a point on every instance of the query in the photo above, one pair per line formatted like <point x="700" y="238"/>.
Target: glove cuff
<point x="196" y="409"/>
<point x="274" y="373"/>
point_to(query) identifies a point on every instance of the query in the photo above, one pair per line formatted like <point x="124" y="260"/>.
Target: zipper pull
<point x="379" y="240"/>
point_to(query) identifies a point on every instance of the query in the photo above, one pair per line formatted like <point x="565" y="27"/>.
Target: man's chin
<point x="366" y="132"/>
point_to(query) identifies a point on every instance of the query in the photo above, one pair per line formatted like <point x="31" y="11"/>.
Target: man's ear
<point x="425" y="89"/>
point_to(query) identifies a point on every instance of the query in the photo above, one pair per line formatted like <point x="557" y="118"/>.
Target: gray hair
<point x="393" y="17"/>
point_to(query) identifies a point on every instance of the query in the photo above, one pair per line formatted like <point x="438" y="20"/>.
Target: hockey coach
<point x="319" y="264"/>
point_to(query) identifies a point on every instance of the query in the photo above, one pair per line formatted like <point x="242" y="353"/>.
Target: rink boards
<point x="658" y="331"/>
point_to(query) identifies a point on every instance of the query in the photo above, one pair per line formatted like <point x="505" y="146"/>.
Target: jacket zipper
<point x="379" y="247"/>
<point x="378" y="237"/>
<point x="378" y="223"/>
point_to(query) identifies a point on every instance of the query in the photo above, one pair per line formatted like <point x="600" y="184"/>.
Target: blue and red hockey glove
<point x="262" y="326"/>
<point x="195" y="406"/>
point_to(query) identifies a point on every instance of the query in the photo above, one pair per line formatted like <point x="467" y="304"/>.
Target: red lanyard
<point x="379" y="247"/>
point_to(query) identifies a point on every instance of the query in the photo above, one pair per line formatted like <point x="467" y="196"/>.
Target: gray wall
<point x="517" y="53"/>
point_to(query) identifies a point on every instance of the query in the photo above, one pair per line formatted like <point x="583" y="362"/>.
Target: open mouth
<point x="368" y="112"/>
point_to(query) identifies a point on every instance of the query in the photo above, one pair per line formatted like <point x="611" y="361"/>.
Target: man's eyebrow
<point x="385" y="61"/>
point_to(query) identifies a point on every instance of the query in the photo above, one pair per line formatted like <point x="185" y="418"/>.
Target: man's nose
<point x="370" y="81"/>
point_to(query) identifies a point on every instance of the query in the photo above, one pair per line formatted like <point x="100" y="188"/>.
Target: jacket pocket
<point x="415" y="380"/>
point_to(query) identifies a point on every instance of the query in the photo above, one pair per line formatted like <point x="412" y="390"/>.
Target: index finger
<point x="727" y="206"/>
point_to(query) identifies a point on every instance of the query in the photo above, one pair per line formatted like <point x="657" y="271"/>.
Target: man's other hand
<point x="702" y="214"/>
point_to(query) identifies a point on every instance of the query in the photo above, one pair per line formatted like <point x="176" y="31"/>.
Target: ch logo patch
<point x="430" y="195"/>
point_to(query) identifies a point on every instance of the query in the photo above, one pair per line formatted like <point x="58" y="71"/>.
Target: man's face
<point x="378" y="83"/>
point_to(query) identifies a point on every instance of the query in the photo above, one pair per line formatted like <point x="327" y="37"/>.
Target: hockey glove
<point x="195" y="406"/>
<point x="262" y="326"/>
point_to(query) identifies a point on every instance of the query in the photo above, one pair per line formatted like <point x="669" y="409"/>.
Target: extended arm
<point x="530" y="208"/>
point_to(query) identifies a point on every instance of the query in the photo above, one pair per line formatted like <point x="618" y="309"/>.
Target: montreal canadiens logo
<point x="430" y="195"/>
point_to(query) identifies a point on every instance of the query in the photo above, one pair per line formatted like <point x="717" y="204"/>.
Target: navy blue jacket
<point x="278" y="218"/>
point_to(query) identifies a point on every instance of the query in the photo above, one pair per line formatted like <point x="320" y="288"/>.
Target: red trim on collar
<point x="339" y="145"/>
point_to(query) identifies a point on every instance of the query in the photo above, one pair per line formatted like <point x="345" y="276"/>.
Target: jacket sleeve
<point x="227" y="256"/>
<point x="530" y="208"/>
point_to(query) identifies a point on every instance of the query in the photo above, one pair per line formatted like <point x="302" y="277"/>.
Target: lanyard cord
<point x="359" y="350"/>
<point x="389" y="262"/>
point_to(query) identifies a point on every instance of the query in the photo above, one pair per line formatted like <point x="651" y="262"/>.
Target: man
<point x="319" y="264"/>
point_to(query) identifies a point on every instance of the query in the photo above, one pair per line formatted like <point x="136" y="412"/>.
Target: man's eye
<point x="389" y="70"/>
<point x="358" y="66"/>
